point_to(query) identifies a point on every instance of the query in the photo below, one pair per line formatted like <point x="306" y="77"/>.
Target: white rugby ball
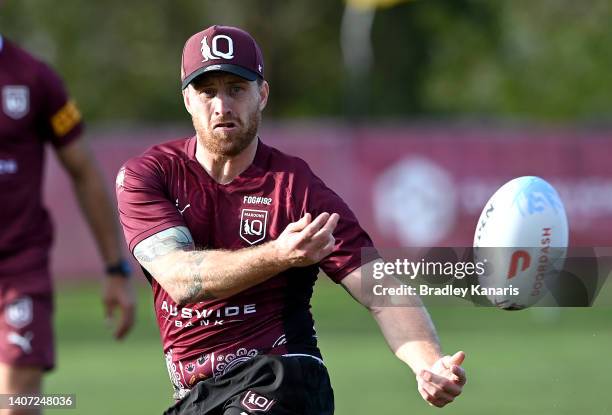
<point x="522" y="237"/>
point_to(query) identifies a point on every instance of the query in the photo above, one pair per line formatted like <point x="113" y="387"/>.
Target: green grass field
<point x="537" y="361"/>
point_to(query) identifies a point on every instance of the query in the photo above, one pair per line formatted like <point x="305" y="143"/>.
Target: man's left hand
<point x="444" y="381"/>
<point x="118" y="292"/>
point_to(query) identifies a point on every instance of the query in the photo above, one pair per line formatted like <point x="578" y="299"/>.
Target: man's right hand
<point x="307" y="241"/>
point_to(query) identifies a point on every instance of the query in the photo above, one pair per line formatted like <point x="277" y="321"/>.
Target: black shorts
<point x="265" y="384"/>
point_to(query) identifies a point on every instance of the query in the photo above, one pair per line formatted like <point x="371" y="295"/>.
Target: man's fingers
<point x="300" y="224"/>
<point x="314" y="226"/>
<point x="458" y="358"/>
<point x="460" y="374"/>
<point x="332" y="222"/>
<point x="440" y="382"/>
<point x="441" y="389"/>
<point x="439" y="400"/>
<point x="329" y="226"/>
<point x="423" y="393"/>
<point x="126" y="323"/>
<point x="434" y="395"/>
<point x="329" y="247"/>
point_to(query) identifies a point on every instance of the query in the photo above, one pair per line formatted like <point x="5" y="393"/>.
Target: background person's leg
<point x="15" y="380"/>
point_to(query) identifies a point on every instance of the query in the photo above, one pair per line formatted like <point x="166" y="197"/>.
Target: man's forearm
<point x="97" y="209"/>
<point x="410" y="334"/>
<point x="192" y="276"/>
<point x="189" y="275"/>
<point x="404" y="321"/>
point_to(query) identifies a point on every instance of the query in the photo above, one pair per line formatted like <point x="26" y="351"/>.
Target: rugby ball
<point x="522" y="238"/>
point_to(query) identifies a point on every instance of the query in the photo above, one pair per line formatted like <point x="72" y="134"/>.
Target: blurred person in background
<point x="231" y="234"/>
<point x="37" y="111"/>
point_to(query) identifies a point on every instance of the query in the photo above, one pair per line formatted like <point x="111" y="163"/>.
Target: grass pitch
<point x="539" y="361"/>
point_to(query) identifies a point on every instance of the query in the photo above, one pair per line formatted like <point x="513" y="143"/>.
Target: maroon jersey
<point x="167" y="187"/>
<point x="35" y="110"/>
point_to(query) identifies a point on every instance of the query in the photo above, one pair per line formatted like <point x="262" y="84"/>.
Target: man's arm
<point x="190" y="275"/>
<point x="95" y="204"/>
<point x="411" y="335"/>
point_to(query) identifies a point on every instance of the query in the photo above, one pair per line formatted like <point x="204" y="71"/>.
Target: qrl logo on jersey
<point x="215" y="51"/>
<point x="256" y="403"/>
<point x="253" y="224"/>
<point x="15" y="101"/>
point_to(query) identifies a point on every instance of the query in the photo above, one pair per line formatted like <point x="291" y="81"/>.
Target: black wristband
<point x="121" y="268"/>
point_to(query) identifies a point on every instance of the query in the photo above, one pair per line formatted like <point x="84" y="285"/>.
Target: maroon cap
<point x="221" y="48"/>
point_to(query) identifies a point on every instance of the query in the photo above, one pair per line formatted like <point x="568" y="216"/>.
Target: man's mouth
<point x="225" y="125"/>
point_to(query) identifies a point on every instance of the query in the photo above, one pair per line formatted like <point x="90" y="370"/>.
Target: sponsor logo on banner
<point x="19" y="313"/>
<point x="415" y="187"/>
<point x="253" y="224"/>
<point x="256" y="403"/>
<point x="15" y="101"/>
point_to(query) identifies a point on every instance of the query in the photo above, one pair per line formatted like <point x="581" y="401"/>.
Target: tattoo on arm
<point x="195" y="285"/>
<point x="163" y="243"/>
<point x="171" y="240"/>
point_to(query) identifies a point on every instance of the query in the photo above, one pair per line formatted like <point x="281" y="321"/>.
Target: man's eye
<point x="209" y="92"/>
<point x="236" y="89"/>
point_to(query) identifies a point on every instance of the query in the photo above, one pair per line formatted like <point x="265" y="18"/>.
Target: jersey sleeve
<point x="60" y="118"/>
<point x="144" y="206"/>
<point x="350" y="236"/>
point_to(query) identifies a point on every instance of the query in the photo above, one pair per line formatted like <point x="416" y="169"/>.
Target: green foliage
<point x="527" y="59"/>
<point x="546" y="59"/>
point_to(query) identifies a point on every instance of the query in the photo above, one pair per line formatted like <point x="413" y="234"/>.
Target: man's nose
<point x="222" y="104"/>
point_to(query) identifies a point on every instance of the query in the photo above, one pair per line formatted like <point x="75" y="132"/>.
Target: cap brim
<point x="224" y="67"/>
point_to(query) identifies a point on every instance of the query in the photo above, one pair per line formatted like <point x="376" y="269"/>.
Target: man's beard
<point x="230" y="144"/>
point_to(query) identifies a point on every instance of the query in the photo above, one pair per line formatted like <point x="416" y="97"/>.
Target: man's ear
<point x="186" y="101"/>
<point x="264" y="93"/>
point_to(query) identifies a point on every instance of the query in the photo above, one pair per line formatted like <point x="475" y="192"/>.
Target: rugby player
<point x="231" y="234"/>
<point x="37" y="111"/>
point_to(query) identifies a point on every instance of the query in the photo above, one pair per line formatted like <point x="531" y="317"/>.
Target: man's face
<point x="226" y="111"/>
